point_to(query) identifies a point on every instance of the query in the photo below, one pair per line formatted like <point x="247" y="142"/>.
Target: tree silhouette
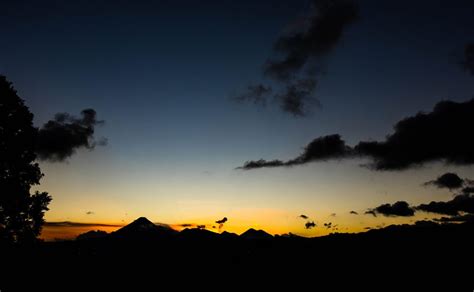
<point x="21" y="213"/>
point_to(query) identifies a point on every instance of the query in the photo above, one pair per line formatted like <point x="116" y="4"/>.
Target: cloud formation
<point x="58" y="139"/>
<point x="448" y="180"/>
<point x="302" y="216"/>
<point x="257" y="94"/>
<point x="400" y="208"/>
<point x="320" y="149"/>
<point x="302" y="51"/>
<point x="370" y="212"/>
<point x="440" y="135"/>
<point x="78" y="224"/>
<point x="460" y="203"/>
<point x="221" y="222"/>
<point x="457" y="218"/>
<point x="310" y="224"/>
<point x="469" y="189"/>
<point x="323" y="30"/>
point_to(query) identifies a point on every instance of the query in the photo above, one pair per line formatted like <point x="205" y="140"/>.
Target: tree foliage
<point x="21" y="210"/>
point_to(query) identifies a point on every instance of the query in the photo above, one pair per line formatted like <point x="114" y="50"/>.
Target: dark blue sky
<point x="162" y="77"/>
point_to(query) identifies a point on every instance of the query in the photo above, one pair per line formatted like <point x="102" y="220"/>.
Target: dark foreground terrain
<point x="426" y="253"/>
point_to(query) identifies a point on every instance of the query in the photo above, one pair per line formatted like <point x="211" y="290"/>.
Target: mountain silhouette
<point x="256" y="234"/>
<point x="228" y="235"/>
<point x="143" y="228"/>
<point x="197" y="234"/>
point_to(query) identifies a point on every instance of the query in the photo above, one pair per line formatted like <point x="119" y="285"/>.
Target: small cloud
<point x="371" y="212"/>
<point x="90" y="213"/>
<point x="353" y="213"/>
<point x="303" y="216"/>
<point x="310" y="224"/>
<point x="222" y="221"/>
<point x="448" y="180"/>
<point x="328" y="225"/>
<point x="256" y="94"/>
<point x="400" y="208"/>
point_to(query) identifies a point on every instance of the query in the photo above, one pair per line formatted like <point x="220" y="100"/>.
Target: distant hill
<point x="197" y="234"/>
<point x="228" y="235"/>
<point x="93" y="234"/>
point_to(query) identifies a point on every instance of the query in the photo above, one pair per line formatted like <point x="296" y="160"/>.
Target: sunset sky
<point x="163" y="74"/>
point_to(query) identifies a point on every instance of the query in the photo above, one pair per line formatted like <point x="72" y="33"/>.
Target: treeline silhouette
<point x="402" y="251"/>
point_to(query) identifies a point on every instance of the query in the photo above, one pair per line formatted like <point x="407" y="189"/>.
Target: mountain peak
<point x="142" y="224"/>
<point x="144" y="227"/>
<point x="256" y="234"/>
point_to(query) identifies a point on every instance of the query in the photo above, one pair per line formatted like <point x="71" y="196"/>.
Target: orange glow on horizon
<point x="53" y="233"/>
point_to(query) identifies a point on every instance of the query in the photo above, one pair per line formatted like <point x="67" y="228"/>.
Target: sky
<point x="163" y="76"/>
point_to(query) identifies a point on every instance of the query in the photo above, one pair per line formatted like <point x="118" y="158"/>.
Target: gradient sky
<point x="162" y="77"/>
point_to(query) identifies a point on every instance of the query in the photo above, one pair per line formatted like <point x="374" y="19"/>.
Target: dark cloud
<point x="303" y="216"/>
<point x="400" y="208"/>
<point x="371" y="212"/>
<point x="440" y="135"/>
<point x="222" y="221"/>
<point x="457" y="218"/>
<point x="353" y="213"/>
<point x="468" y="190"/>
<point x="201" y="227"/>
<point x="187" y="225"/>
<point x="460" y="203"/>
<point x="261" y="163"/>
<point x="468" y="60"/>
<point x="297" y="98"/>
<point x="78" y="224"/>
<point x="59" y="138"/>
<point x="89" y="213"/>
<point x="328" y="225"/>
<point x="257" y="94"/>
<point x="448" y="180"/>
<point x="309" y="225"/>
<point x="322" y="148"/>
<point x="302" y="51"/>
<point x="325" y="25"/>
